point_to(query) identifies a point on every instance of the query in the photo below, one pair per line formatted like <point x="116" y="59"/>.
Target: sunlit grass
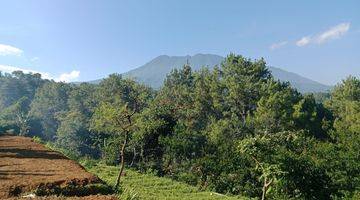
<point x="147" y="186"/>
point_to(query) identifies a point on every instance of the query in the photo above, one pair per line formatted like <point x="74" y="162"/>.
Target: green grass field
<point x="146" y="186"/>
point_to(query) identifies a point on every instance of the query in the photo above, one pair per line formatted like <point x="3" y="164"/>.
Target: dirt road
<point x="26" y="166"/>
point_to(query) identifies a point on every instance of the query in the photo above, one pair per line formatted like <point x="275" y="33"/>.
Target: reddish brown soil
<point x="26" y="165"/>
<point x="91" y="197"/>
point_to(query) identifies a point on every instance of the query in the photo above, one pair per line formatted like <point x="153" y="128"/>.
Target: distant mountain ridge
<point x="154" y="72"/>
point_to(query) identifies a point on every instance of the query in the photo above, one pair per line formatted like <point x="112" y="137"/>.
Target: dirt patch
<point x="91" y="197"/>
<point x="26" y="166"/>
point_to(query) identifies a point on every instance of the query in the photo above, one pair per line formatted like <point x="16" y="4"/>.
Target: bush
<point x="73" y="190"/>
<point x="88" y="163"/>
<point x="110" y="151"/>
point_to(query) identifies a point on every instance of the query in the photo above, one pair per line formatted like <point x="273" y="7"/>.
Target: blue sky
<point x="84" y="40"/>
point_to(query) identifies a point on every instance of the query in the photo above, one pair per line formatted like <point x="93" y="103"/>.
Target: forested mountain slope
<point x="154" y="72"/>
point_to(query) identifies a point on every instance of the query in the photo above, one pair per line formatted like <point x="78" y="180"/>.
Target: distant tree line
<point x="233" y="129"/>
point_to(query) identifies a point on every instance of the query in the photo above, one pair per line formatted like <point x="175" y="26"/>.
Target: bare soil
<point x="26" y="166"/>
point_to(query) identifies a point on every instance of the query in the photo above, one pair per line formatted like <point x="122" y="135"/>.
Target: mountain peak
<point x="154" y="72"/>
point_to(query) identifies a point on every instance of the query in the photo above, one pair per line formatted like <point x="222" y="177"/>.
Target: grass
<point x="136" y="185"/>
<point x="146" y="186"/>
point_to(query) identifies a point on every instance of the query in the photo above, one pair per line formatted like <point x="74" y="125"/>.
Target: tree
<point x="155" y="122"/>
<point x="313" y="117"/>
<point x="285" y="167"/>
<point x="49" y="102"/>
<point x="18" y="115"/>
<point x="275" y="108"/>
<point x="341" y="158"/>
<point x="115" y="119"/>
<point x="260" y="149"/>
<point x="242" y="80"/>
<point x="120" y="102"/>
<point x="17" y="85"/>
<point x="73" y="132"/>
<point x="345" y="104"/>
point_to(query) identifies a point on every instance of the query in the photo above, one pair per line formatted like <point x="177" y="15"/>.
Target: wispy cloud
<point x="34" y="59"/>
<point x="7" y="50"/>
<point x="278" y="45"/>
<point x="68" y="77"/>
<point x="65" y="77"/>
<point x="303" y="41"/>
<point x="332" y="33"/>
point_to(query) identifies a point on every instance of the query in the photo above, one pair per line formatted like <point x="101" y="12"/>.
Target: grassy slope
<point x="147" y="186"/>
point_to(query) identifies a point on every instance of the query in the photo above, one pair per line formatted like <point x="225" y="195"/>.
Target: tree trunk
<point x="264" y="190"/>
<point x="134" y="157"/>
<point x="266" y="187"/>
<point x="122" y="163"/>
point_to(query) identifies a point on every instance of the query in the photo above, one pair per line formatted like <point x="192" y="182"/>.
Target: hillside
<point x="154" y="72"/>
<point x="151" y="187"/>
<point x="27" y="167"/>
<point x="301" y="83"/>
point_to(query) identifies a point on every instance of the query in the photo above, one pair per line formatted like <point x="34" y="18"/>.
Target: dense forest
<point x="233" y="129"/>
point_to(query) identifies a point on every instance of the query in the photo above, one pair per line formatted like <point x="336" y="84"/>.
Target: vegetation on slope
<point x="136" y="185"/>
<point x="232" y="130"/>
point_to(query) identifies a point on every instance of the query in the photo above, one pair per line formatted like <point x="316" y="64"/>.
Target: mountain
<point x="154" y="72"/>
<point x="302" y="84"/>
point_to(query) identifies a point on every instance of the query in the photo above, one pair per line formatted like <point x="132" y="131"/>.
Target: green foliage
<point x="73" y="132"/>
<point x="321" y="97"/>
<point x="17" y="85"/>
<point x="49" y="102"/>
<point x="233" y="130"/>
<point x="110" y="150"/>
<point x="17" y="115"/>
<point x="72" y="190"/>
<point x="345" y="104"/>
<point x="17" y="91"/>
<point x="313" y="117"/>
<point x="242" y="79"/>
<point x="148" y="186"/>
<point x="275" y="108"/>
<point x="37" y="139"/>
<point x="129" y="194"/>
<point x="282" y="164"/>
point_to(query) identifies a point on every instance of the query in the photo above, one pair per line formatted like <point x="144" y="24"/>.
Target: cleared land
<point x="26" y="166"/>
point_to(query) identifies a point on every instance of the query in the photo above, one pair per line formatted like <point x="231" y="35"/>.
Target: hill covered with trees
<point x="154" y="72"/>
<point x="234" y="129"/>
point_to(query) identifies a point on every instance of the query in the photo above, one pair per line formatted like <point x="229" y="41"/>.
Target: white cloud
<point x="303" y="41"/>
<point x="7" y="50"/>
<point x="65" y="77"/>
<point x="68" y="77"/>
<point x="278" y="45"/>
<point x="9" y="69"/>
<point x="333" y="33"/>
